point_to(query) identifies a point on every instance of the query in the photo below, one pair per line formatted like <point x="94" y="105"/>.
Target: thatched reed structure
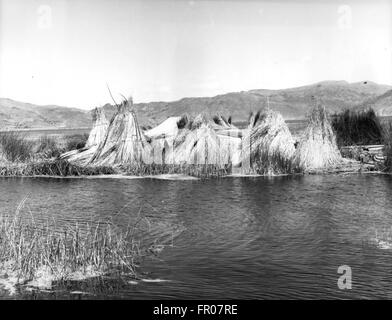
<point x="98" y="132"/>
<point x="197" y="142"/>
<point x="267" y="145"/>
<point x="187" y="141"/>
<point x="96" y="136"/>
<point x="317" y="148"/>
<point x="168" y="128"/>
<point x="162" y="138"/>
<point x="124" y="142"/>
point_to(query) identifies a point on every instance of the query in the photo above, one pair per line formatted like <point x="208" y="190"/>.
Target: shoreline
<point x="184" y="177"/>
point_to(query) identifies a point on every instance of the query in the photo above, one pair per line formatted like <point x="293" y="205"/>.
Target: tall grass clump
<point x="43" y="254"/>
<point x="61" y="168"/>
<point x="76" y="141"/>
<point x="357" y="128"/>
<point x="273" y="163"/>
<point x="15" y="147"/>
<point x="48" y="147"/>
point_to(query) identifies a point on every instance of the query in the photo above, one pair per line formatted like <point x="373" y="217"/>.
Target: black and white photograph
<point x="195" y="150"/>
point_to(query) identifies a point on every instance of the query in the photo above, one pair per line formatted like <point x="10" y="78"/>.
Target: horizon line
<point x="199" y="97"/>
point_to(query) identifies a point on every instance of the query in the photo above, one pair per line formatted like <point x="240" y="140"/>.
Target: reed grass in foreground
<point x="37" y="256"/>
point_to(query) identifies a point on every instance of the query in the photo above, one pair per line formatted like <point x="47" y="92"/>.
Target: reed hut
<point x="266" y="141"/>
<point x="97" y="134"/>
<point x="124" y="142"/>
<point x="201" y="146"/>
<point x="162" y="138"/>
<point x="317" y="148"/>
<point x="198" y="143"/>
<point x="167" y="128"/>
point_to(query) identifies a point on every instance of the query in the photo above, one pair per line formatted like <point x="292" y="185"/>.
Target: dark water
<point x="257" y="238"/>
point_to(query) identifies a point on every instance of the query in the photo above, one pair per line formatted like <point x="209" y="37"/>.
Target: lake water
<point x="246" y="238"/>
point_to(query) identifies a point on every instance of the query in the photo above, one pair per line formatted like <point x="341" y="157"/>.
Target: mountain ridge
<point x="292" y="103"/>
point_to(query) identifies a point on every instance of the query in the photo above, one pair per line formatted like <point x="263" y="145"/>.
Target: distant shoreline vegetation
<point x="200" y="146"/>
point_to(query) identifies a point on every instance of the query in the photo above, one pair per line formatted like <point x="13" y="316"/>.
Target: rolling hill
<point x="15" y="114"/>
<point x="381" y="104"/>
<point x="293" y="103"/>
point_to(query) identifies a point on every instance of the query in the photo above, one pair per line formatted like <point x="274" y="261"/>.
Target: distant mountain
<point x="293" y="103"/>
<point x="15" y="114"/>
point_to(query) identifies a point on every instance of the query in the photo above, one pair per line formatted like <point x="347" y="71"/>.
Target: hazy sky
<point x="64" y="52"/>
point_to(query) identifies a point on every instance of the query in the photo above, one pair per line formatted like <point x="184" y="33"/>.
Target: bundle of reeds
<point x="124" y="141"/>
<point x="266" y="139"/>
<point x="98" y="132"/>
<point x="198" y="143"/>
<point x="200" y="146"/>
<point x="357" y="128"/>
<point x="317" y="148"/>
<point x="222" y="121"/>
<point x="97" y="135"/>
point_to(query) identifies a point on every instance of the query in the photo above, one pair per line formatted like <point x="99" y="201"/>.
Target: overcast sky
<point x="64" y="52"/>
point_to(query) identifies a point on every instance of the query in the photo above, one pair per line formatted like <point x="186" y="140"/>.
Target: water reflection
<point x="235" y="237"/>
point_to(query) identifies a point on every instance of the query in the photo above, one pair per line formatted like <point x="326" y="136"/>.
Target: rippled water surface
<point x="281" y="237"/>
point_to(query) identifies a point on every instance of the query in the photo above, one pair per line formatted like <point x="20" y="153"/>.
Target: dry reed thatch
<point x="222" y="121"/>
<point x="124" y="142"/>
<point x="98" y="132"/>
<point x="167" y="128"/>
<point x="198" y="143"/>
<point x="198" y="146"/>
<point x="267" y="139"/>
<point x="317" y="148"/>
